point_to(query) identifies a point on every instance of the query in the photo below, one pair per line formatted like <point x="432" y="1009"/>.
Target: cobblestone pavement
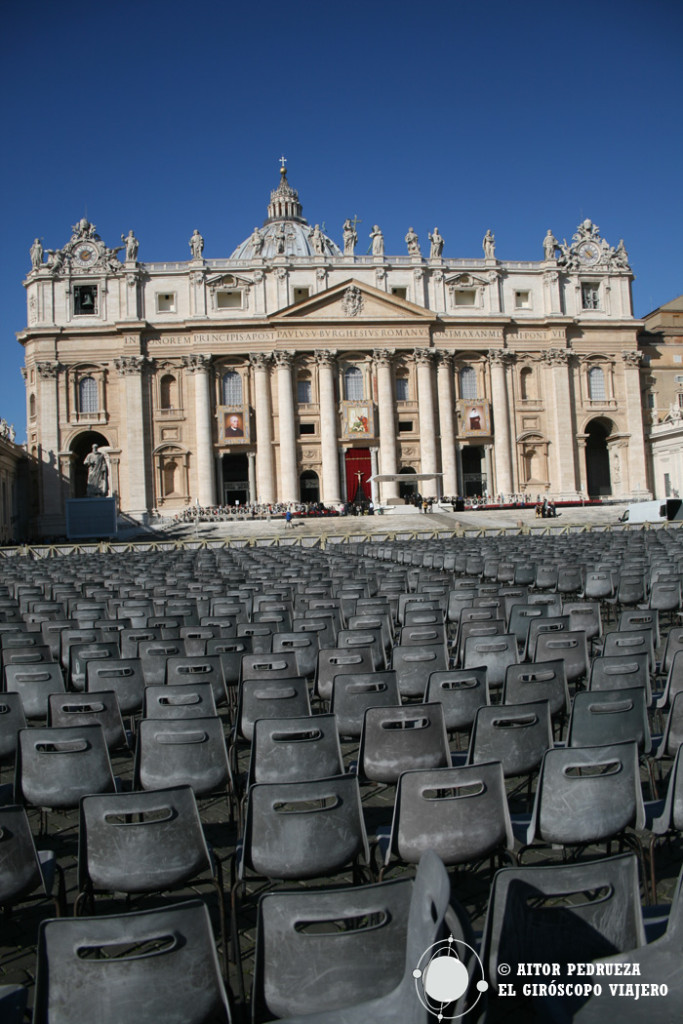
<point x="470" y="885"/>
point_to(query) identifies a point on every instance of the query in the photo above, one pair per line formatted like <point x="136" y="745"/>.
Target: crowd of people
<point x="230" y="513"/>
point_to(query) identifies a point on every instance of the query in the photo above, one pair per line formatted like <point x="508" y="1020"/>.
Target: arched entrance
<point x="598" y="478"/>
<point x="406" y="488"/>
<point x="473" y="477"/>
<point x="309" y="486"/>
<point x="80" y="447"/>
<point x="358" y="472"/>
<point x="235" y="479"/>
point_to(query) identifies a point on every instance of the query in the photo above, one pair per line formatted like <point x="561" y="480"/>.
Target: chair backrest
<point x="571" y="647"/>
<point x="140" y="842"/>
<point x="546" y="680"/>
<point x="517" y="735"/>
<point x="672" y="812"/>
<point x="298" y="939"/>
<point x="204" y="669"/>
<point x="34" y="684"/>
<point x="364" y="639"/>
<point x="496" y="652"/>
<point x="182" y="752"/>
<point x="546" y="624"/>
<point x="131" y="638"/>
<point x="295" y="749"/>
<point x="584" y="615"/>
<point x="304" y="646"/>
<point x="55" y="767"/>
<point x="460" y="813"/>
<point x="153" y="657"/>
<point x="609" y="716"/>
<point x="615" y="672"/>
<point x="177" y="980"/>
<point x="270" y="698"/>
<point x="414" y="664"/>
<point x="521" y="617"/>
<point x="673" y="729"/>
<point x="396" y="739"/>
<point x="269" y="666"/>
<point x="334" y="661"/>
<point x="587" y="794"/>
<point x="69" y="709"/>
<point x="631" y="641"/>
<point x="674" y="644"/>
<point x="300" y="830"/>
<point x="12" y="719"/>
<point x="546" y="913"/>
<point x="122" y="675"/>
<point x="461" y="691"/>
<point x="352" y="693"/>
<point x="182" y="701"/>
<point x="20" y="867"/>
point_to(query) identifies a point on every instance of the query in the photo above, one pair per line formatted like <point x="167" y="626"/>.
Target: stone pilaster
<point x="634" y="419"/>
<point x="265" y="467"/>
<point x="48" y="410"/>
<point x="251" y="457"/>
<point x="389" y="490"/>
<point x="199" y="366"/>
<point x="501" y="421"/>
<point x="289" y="481"/>
<point x="563" y="474"/>
<point x="444" y="385"/>
<point x="331" y="490"/>
<point x="130" y="370"/>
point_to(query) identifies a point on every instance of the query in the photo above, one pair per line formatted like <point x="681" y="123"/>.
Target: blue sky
<point x="166" y="116"/>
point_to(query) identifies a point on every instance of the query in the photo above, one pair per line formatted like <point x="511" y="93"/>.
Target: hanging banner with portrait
<point x="358" y="420"/>
<point x="474" y="418"/>
<point x="233" y="424"/>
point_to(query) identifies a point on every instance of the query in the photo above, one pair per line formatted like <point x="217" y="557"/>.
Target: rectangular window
<point x="465" y="298"/>
<point x="85" y="299"/>
<point x="650" y="401"/>
<point x="400" y="293"/>
<point x="680" y="399"/>
<point x="405" y="426"/>
<point x="402" y="394"/>
<point x="522" y="300"/>
<point x="303" y="392"/>
<point x="229" y="300"/>
<point x="590" y="296"/>
<point x="301" y="293"/>
<point x="165" y="302"/>
<point x="307" y="428"/>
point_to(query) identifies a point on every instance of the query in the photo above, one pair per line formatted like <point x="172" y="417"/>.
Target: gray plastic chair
<point x="517" y="735"/>
<point x="34" y="684"/>
<point x="177" y="978"/>
<point x="414" y="664"/>
<point x="460" y="813"/>
<point x="68" y="709"/>
<point x="295" y="749"/>
<point x="198" y="669"/>
<point x="355" y="692"/>
<point x="178" y="752"/>
<point x="334" y="661"/>
<point x="269" y="698"/>
<point x="183" y="701"/>
<point x="123" y="676"/>
<point x="544" y="681"/>
<point x="461" y="691"/>
<point x="12" y="719"/>
<point x="397" y="739"/>
<point x="80" y="655"/>
<point x="25" y="873"/>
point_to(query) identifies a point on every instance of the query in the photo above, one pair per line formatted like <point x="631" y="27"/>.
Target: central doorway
<point x="358" y="472"/>
<point x="235" y="480"/>
<point x="598" y="476"/>
<point x="473" y="477"/>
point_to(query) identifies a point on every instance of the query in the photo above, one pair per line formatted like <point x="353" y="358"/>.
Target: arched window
<point x="168" y="391"/>
<point x="353" y="384"/>
<point x="468" y="382"/>
<point x="232" y="388"/>
<point x="526" y="383"/>
<point x="596" y="384"/>
<point x="32" y="406"/>
<point x="87" y="395"/>
<point x="303" y="391"/>
<point x="169" y="477"/>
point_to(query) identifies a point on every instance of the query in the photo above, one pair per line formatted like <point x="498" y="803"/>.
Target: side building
<point x="301" y="370"/>
<point x="661" y="343"/>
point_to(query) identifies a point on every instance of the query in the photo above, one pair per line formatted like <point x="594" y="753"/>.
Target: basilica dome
<point x="285" y="232"/>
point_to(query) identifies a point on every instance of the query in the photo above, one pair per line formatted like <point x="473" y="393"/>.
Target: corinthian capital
<point x="324" y="357"/>
<point x="499" y="357"/>
<point x="383" y="356"/>
<point x="127" y="366"/>
<point x="632" y="358"/>
<point x="283" y="359"/>
<point x="556" y="356"/>
<point x="444" y="359"/>
<point x="196" y="362"/>
<point x="259" y="360"/>
<point x="48" y="371"/>
<point x="423" y="356"/>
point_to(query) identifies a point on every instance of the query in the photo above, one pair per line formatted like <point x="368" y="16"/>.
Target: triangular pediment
<point x="353" y="302"/>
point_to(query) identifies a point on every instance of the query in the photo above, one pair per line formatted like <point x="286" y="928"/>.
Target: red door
<point x="358" y="462"/>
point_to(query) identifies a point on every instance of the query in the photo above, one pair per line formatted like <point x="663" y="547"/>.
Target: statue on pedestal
<point x="36" y="254"/>
<point x="196" y="245"/>
<point x="489" y="245"/>
<point x="350" y="236"/>
<point x="97" y="473"/>
<point x="437" y="241"/>
<point x="550" y="244"/>
<point x="131" y="243"/>
<point x="377" y="241"/>
<point x="413" y="243"/>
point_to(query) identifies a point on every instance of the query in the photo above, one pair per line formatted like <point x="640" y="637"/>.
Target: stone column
<point x="130" y="371"/>
<point x="251" y="456"/>
<point x="330" y="491"/>
<point x="444" y="385"/>
<point x="341" y="455"/>
<point x="560" y="408"/>
<point x="289" y="478"/>
<point x="47" y="407"/>
<point x="634" y="420"/>
<point x="581" y="440"/>
<point x="219" y="478"/>
<point x="388" y="491"/>
<point x="425" y="401"/>
<point x="206" y="483"/>
<point x="265" y="467"/>
<point x="488" y="462"/>
<point x="373" y="472"/>
<point x="501" y="421"/>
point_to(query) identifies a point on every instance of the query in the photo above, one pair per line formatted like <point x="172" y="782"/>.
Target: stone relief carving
<point x="352" y="301"/>
<point x="589" y="251"/>
<point x="320" y="274"/>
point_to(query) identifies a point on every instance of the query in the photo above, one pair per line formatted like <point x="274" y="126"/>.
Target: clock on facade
<point x="85" y="254"/>
<point x="589" y="253"/>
